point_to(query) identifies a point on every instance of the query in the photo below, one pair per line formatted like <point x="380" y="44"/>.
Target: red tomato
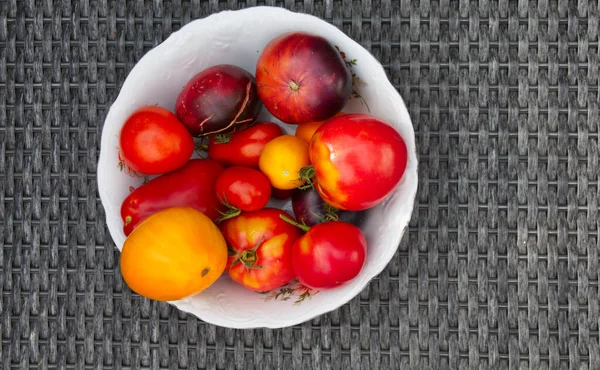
<point x="243" y="148"/>
<point x="329" y="254"/>
<point x="358" y="161"/>
<point x="153" y="141"/>
<point x="243" y="189"/>
<point x="193" y="185"/>
<point x="261" y="249"/>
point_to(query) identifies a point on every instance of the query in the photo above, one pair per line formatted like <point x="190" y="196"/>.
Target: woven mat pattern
<point x="498" y="270"/>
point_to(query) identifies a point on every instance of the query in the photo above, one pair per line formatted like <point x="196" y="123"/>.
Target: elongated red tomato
<point x="153" y="141"/>
<point x="260" y="245"/>
<point x="358" y="161"/>
<point x="193" y="185"/>
<point x="243" y="148"/>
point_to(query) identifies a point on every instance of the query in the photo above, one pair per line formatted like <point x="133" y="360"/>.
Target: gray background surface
<point x="498" y="270"/>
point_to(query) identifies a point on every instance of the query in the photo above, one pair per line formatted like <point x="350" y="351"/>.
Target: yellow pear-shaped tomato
<point x="173" y="254"/>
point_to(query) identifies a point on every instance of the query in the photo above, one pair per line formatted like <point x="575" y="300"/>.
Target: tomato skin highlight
<point x="173" y="254"/>
<point x="243" y="147"/>
<point x="244" y="188"/>
<point x="265" y="242"/>
<point x="329" y="254"/>
<point x="351" y="151"/>
<point x="192" y="185"/>
<point x="153" y="141"/>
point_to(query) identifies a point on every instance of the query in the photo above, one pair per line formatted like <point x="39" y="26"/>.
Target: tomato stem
<point x="293" y="85"/>
<point x="231" y="212"/>
<point x="248" y="258"/>
<point x="290" y="221"/>
<point x="222" y="138"/>
<point x="203" y="147"/>
<point x="306" y="177"/>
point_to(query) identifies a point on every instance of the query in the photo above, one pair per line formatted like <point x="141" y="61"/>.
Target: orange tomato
<point x="173" y="254"/>
<point x="282" y="159"/>
<point x="305" y="131"/>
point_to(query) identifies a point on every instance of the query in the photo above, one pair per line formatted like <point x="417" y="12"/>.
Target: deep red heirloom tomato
<point x="260" y="256"/>
<point x="301" y="77"/>
<point x="243" y="189"/>
<point x="193" y="185"/>
<point x="243" y="148"/>
<point x="153" y="141"/>
<point x="329" y="254"/>
<point x="358" y="161"/>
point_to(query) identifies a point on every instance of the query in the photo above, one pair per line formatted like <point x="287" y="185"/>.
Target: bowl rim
<point x="327" y="306"/>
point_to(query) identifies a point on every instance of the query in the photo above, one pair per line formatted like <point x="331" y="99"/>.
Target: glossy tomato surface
<point x="260" y="244"/>
<point x="153" y="141"/>
<point x="219" y="99"/>
<point x="243" y="148"/>
<point x="282" y="159"/>
<point x="301" y="78"/>
<point x="244" y="188"/>
<point x="329" y="254"/>
<point x="176" y="253"/>
<point x="358" y="159"/>
<point x="193" y="185"/>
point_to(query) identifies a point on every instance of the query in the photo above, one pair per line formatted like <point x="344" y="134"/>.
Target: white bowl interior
<point x="238" y="37"/>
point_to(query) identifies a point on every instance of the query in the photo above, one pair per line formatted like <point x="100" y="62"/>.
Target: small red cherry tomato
<point x="243" y="189"/>
<point x="242" y="148"/>
<point x="260" y="243"/>
<point x="329" y="254"/>
<point x="153" y="141"/>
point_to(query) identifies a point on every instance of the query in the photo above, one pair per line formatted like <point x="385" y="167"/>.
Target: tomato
<point x="153" y="141"/>
<point x="175" y="253"/>
<point x="358" y="161"/>
<point x="305" y="131"/>
<point x="310" y="209"/>
<point x="282" y="159"/>
<point x="242" y="148"/>
<point x="192" y="185"/>
<point x="243" y="189"/>
<point x="261" y="249"/>
<point x="329" y="254"/>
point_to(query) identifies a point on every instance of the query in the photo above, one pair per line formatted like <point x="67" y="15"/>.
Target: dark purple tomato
<point x="310" y="209"/>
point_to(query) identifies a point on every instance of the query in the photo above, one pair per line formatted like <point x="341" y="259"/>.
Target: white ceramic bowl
<point x="238" y="37"/>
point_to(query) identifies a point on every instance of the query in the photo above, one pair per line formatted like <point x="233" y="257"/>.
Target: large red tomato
<point x="193" y="185"/>
<point x="358" y="161"/>
<point x="153" y="141"/>
<point x="260" y="249"/>
<point x="301" y="78"/>
<point x="329" y="254"/>
<point x="243" y="148"/>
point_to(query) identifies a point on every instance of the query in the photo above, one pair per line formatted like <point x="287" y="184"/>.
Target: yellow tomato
<point x="173" y="254"/>
<point x="281" y="161"/>
<point x="305" y="131"/>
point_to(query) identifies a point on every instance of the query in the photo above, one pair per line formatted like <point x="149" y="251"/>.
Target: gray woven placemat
<point x="498" y="269"/>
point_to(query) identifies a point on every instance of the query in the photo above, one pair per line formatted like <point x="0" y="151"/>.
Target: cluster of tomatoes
<point x="202" y="217"/>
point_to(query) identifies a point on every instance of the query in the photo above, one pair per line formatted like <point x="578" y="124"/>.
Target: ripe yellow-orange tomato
<point x="305" y="131"/>
<point x="173" y="254"/>
<point x="281" y="160"/>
